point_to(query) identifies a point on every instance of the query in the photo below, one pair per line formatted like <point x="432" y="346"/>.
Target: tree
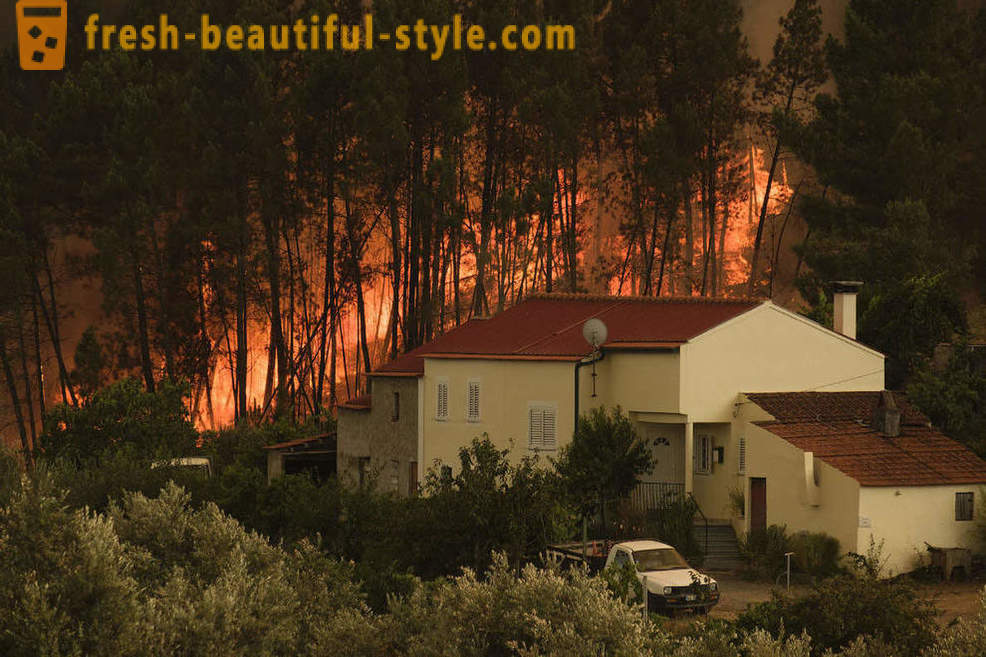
<point x="894" y="149"/>
<point x="123" y="416"/>
<point x="785" y="87"/>
<point x="955" y="396"/>
<point x="603" y="461"/>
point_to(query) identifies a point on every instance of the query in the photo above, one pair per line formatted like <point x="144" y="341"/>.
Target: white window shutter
<point x="535" y="432"/>
<point x="441" y="411"/>
<point x="473" y="401"/>
<point x="548" y="430"/>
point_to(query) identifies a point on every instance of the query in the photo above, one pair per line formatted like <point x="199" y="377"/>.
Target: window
<point x="441" y="400"/>
<point x="703" y="454"/>
<point x="472" y="401"/>
<point x="412" y="479"/>
<point x="620" y="558"/>
<point x="963" y="506"/>
<point x="363" y="466"/>
<point x="542" y="427"/>
<point x="396" y="415"/>
<point x="741" y="457"/>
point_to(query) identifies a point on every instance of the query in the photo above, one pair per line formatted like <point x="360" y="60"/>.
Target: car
<point x="671" y="584"/>
<point x="192" y="463"/>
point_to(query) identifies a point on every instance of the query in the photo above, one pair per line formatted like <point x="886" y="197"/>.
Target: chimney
<point x="886" y="416"/>
<point x="844" y="302"/>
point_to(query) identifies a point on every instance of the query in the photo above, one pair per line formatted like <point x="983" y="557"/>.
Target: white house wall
<point x="782" y="465"/>
<point x="770" y="350"/>
<point x="904" y="518"/>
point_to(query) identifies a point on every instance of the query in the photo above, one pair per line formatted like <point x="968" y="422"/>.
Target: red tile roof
<point x="835" y="426"/>
<point x="360" y="403"/>
<point x="858" y="406"/>
<point x="550" y="327"/>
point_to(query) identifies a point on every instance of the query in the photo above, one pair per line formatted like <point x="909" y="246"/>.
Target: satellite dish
<point x="594" y="331"/>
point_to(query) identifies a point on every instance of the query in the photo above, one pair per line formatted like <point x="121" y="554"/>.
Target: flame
<point x="600" y="247"/>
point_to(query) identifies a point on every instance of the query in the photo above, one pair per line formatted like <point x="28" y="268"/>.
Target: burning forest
<point x="268" y="228"/>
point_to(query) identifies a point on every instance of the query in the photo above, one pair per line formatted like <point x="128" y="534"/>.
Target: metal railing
<point x="704" y="520"/>
<point x="651" y="495"/>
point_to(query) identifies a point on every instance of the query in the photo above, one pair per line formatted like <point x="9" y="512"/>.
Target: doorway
<point x="758" y="503"/>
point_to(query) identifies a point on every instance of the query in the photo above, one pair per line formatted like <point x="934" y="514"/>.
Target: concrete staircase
<point x="723" y="550"/>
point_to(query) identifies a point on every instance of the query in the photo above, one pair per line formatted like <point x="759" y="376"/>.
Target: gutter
<point x="591" y="359"/>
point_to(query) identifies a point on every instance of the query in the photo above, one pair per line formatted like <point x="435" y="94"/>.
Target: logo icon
<point x="41" y="28"/>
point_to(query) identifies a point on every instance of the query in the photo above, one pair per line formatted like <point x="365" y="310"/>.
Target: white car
<point x="671" y="583"/>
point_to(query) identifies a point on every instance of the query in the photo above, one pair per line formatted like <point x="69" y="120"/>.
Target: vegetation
<point x="602" y="462"/>
<point x="813" y="553"/>
<point x="839" y="610"/>
<point x="160" y="575"/>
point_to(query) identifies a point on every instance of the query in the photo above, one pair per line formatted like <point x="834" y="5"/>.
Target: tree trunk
<point x="28" y="397"/>
<point x="51" y="323"/>
<point x="39" y="364"/>
<point x="272" y="240"/>
<point x="143" y="339"/>
<point x="15" y="400"/>
<point x="766" y="198"/>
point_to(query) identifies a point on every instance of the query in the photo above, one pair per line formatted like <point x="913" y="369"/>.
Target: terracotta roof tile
<point x="359" y="403"/>
<point x="835" y="426"/>
<point x="551" y="326"/>
<point x="858" y="406"/>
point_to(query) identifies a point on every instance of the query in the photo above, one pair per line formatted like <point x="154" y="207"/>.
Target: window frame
<point x="965" y="505"/>
<point x="541" y="444"/>
<point x="702" y="461"/>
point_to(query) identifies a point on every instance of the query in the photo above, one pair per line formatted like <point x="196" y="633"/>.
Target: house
<point x="714" y="386"/>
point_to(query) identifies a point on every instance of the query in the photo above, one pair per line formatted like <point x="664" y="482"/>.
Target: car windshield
<point x="658" y="559"/>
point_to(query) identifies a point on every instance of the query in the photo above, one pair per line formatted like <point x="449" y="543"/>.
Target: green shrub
<point x="764" y="550"/>
<point x="815" y="553"/>
<point x="123" y="416"/>
<point x="538" y="612"/>
<point x="838" y="610"/>
<point x="674" y="524"/>
<point x="95" y="482"/>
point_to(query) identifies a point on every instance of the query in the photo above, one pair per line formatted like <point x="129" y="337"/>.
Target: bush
<point x="155" y="577"/>
<point x="539" y="612"/>
<point x="837" y="611"/>
<point x="123" y="416"/>
<point x="95" y="482"/>
<point x="675" y="525"/>
<point x="815" y="553"/>
<point x="764" y="550"/>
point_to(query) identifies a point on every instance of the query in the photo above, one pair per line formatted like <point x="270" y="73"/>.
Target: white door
<point x="668" y="446"/>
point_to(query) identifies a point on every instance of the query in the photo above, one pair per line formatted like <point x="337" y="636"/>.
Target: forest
<point x="266" y="228"/>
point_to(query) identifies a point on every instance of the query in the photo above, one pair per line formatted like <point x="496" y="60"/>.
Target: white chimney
<point x="844" y="301"/>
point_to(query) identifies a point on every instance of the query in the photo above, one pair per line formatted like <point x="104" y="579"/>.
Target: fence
<point x="650" y="495"/>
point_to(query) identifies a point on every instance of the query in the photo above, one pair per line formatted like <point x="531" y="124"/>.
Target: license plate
<point x="689" y="598"/>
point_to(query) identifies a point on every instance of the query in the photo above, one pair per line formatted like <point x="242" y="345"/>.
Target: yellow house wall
<point x="904" y="518"/>
<point x="782" y="464"/>
<point x="712" y="489"/>
<point x="770" y="350"/>
<point x="636" y="381"/>
<point x="506" y="389"/>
